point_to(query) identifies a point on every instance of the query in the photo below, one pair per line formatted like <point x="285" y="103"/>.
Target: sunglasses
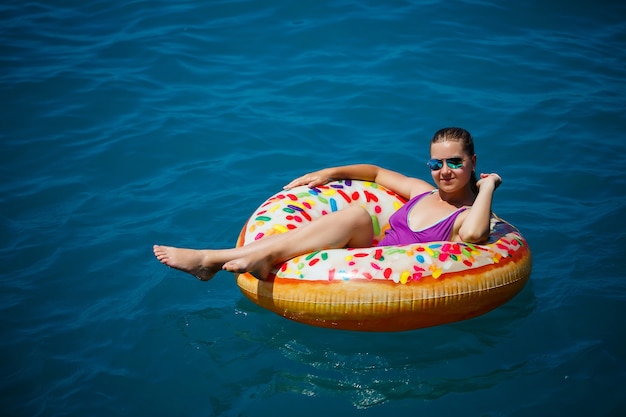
<point x="437" y="164"/>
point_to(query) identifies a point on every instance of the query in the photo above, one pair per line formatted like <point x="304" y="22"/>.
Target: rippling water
<point x="129" y="123"/>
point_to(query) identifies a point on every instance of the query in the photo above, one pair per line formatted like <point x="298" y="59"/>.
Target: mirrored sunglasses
<point x="437" y="164"/>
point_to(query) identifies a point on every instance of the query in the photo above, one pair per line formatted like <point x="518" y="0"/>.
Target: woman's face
<point x="452" y="179"/>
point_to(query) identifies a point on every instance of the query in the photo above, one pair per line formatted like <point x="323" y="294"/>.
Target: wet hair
<point x="457" y="134"/>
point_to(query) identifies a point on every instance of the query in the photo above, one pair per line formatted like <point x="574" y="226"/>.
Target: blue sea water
<point x="125" y="124"/>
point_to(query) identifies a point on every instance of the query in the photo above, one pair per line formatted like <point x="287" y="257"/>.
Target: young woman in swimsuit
<point x="459" y="209"/>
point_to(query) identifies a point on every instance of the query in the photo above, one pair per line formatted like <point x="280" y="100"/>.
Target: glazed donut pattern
<point x="435" y="271"/>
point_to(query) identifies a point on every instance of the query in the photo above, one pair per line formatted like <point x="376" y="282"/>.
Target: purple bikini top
<point x="401" y="234"/>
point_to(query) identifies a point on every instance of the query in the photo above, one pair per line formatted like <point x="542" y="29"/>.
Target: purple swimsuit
<point x="401" y="234"/>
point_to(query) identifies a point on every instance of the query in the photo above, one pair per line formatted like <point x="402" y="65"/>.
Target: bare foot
<point x="192" y="261"/>
<point x="259" y="268"/>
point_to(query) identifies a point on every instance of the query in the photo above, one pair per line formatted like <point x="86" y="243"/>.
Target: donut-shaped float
<point x="388" y="288"/>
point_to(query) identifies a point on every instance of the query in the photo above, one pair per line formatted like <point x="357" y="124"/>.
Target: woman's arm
<point x="476" y="225"/>
<point x="402" y="185"/>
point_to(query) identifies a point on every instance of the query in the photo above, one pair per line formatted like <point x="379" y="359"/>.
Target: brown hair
<point x="457" y="134"/>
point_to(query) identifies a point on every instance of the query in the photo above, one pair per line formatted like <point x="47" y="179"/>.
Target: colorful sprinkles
<point x="401" y="264"/>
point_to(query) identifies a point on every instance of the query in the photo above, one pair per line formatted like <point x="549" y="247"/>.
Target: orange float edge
<point x="384" y="306"/>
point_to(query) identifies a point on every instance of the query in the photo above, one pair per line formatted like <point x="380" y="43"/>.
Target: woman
<point x="459" y="209"/>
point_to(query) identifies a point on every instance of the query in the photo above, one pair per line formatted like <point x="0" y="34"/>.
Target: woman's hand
<point x="493" y="178"/>
<point x="311" y="180"/>
<point x="476" y="225"/>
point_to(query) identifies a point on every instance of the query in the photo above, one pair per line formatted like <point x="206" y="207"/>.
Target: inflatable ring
<point x="390" y="288"/>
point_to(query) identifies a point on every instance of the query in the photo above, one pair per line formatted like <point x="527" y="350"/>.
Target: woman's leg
<point x="350" y="227"/>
